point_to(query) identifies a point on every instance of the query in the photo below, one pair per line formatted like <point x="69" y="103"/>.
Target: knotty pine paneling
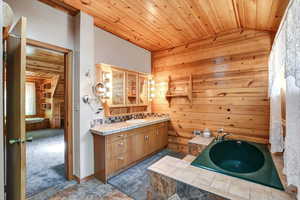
<point x="230" y="83"/>
<point x="164" y="24"/>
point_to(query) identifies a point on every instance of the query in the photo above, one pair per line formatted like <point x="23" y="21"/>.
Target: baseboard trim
<point x="87" y="178"/>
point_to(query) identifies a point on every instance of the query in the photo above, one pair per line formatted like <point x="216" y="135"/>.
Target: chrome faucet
<point x="223" y="136"/>
<point x="219" y="134"/>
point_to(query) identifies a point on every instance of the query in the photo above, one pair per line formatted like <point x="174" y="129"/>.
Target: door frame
<point x="68" y="101"/>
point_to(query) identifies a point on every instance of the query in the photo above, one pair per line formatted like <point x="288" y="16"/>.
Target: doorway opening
<point x="44" y="119"/>
<point x="49" y="157"/>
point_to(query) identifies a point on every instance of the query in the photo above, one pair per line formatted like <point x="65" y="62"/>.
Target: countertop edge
<point x="105" y="133"/>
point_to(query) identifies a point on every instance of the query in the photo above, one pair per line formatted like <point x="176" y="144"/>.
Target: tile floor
<point x="129" y="184"/>
<point x="134" y="181"/>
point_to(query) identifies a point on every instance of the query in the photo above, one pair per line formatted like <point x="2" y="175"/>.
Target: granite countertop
<point x="107" y="129"/>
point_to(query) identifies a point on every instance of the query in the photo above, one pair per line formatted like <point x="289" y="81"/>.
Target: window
<point x="30" y="99"/>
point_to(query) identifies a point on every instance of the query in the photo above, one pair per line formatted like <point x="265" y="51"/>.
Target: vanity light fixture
<point x="152" y="88"/>
<point x="106" y="76"/>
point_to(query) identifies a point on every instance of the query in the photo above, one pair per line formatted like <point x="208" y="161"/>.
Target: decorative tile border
<point x="107" y="129"/>
<point x="116" y="119"/>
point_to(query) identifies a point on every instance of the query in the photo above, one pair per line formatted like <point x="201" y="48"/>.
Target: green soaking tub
<point x="245" y="160"/>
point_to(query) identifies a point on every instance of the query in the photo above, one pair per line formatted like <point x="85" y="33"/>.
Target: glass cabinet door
<point x="118" y="88"/>
<point x="132" y="85"/>
<point x="143" y="90"/>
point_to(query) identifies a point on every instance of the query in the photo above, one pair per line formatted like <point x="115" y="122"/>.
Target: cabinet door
<point x="137" y="148"/>
<point x="132" y="86"/>
<point x="143" y="90"/>
<point x="118" y="88"/>
<point x="163" y="136"/>
<point x="150" y="140"/>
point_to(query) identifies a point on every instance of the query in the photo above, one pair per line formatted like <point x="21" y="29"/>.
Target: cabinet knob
<point x="120" y="135"/>
<point x="121" y="144"/>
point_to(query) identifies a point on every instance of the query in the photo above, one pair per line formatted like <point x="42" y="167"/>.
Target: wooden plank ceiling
<point x="164" y="24"/>
<point x="46" y="64"/>
<point x="43" y="64"/>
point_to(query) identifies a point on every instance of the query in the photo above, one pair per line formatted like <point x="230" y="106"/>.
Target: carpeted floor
<point x="134" y="181"/>
<point x="45" y="160"/>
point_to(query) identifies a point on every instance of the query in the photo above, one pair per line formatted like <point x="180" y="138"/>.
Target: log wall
<point x="229" y="87"/>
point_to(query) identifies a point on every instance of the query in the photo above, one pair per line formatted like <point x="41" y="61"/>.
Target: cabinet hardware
<point x="121" y="144"/>
<point x="120" y="135"/>
<point x="121" y="158"/>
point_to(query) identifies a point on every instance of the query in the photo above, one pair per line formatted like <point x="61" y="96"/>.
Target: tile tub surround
<point x="107" y="129"/>
<point x="216" y="183"/>
<point x="198" y="144"/>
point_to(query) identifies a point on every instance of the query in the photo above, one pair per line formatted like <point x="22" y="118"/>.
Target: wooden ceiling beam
<point x="61" y="6"/>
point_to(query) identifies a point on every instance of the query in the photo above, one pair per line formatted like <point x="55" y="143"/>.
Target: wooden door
<point x="16" y="141"/>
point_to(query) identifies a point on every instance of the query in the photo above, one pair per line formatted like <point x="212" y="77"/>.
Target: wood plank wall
<point x="230" y="83"/>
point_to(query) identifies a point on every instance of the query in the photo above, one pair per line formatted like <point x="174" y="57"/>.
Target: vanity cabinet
<point x="118" y="151"/>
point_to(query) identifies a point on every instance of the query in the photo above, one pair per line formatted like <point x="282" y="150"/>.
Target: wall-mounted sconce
<point x="152" y="88"/>
<point x="106" y="76"/>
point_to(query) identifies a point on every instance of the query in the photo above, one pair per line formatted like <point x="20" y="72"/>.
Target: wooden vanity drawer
<point x="116" y="163"/>
<point x="116" y="136"/>
<point x="117" y="147"/>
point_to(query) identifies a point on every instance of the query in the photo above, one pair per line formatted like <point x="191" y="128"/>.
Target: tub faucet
<point x="223" y="136"/>
<point x="219" y="133"/>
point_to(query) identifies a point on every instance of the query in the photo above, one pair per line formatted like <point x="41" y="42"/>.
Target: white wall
<point x="110" y="49"/>
<point x="1" y="112"/>
<point x="91" y="45"/>
<point x="45" y="23"/>
<point x="84" y="50"/>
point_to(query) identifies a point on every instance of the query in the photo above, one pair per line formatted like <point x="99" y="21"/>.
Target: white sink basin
<point x="133" y="121"/>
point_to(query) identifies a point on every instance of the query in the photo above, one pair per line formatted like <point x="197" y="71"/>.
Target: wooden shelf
<point x="176" y="95"/>
<point x="187" y="95"/>
<point x="132" y="96"/>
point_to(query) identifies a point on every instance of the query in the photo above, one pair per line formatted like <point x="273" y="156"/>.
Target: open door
<point x="15" y="119"/>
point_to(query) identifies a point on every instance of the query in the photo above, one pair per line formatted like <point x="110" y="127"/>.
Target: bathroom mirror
<point x="132" y="84"/>
<point x="118" y="87"/>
